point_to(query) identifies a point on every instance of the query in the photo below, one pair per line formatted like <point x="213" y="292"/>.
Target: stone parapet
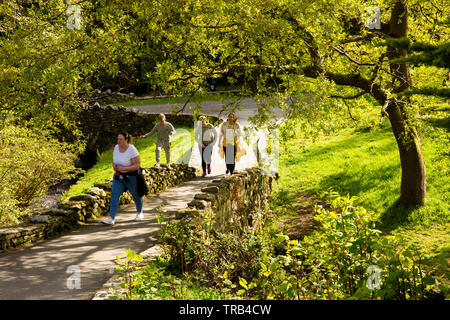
<point x="234" y="199"/>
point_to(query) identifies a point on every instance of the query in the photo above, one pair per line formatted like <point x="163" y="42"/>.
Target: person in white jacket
<point x="206" y="136"/>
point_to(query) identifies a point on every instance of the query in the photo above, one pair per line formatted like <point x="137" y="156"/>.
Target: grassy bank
<point x="367" y="165"/>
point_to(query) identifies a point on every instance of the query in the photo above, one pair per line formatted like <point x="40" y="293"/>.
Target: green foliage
<point x="335" y="262"/>
<point x="153" y="281"/>
<point x="29" y="163"/>
<point x="9" y="210"/>
<point x="429" y="91"/>
<point x="128" y="267"/>
<point x="303" y="127"/>
<point x="46" y="68"/>
<point x="344" y="249"/>
<point x="402" y="274"/>
<point x="346" y="258"/>
<point x="193" y="245"/>
<point x="426" y="53"/>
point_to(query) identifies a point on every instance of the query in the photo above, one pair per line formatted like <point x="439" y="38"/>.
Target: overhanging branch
<point x="342" y="52"/>
<point x="359" y="94"/>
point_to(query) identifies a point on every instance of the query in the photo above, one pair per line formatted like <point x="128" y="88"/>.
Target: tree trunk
<point x="413" y="183"/>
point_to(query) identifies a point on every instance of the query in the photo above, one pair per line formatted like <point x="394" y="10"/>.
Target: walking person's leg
<point x="132" y="187"/>
<point x="226" y="163"/>
<point x="230" y="154"/>
<point x="202" y="153"/>
<point x="166" y="147"/>
<point x="118" y="187"/>
<point x="158" y="153"/>
<point x="233" y="164"/>
<point x="207" y="154"/>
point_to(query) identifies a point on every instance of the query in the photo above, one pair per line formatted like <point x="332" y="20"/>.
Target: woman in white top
<point x="230" y="144"/>
<point x="126" y="162"/>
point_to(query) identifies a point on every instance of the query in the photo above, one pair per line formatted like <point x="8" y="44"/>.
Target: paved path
<point x="40" y="271"/>
<point x="248" y="108"/>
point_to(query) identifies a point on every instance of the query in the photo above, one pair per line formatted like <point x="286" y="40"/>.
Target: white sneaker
<point x="108" y="220"/>
<point x="157" y="165"/>
<point x="139" y="216"/>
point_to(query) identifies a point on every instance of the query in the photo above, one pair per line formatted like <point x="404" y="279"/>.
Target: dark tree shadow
<point x="357" y="182"/>
<point x="441" y="123"/>
<point x="395" y="216"/>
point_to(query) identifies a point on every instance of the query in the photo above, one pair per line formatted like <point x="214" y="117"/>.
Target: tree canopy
<point x="54" y="53"/>
<point x="321" y="48"/>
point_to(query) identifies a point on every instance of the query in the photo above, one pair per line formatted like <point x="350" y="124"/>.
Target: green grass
<point x="362" y="164"/>
<point x="102" y="171"/>
<point x="367" y="165"/>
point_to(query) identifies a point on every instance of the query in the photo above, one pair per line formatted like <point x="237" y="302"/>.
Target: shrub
<point x="29" y="163"/>
<point x="9" y="212"/>
<point x="346" y="258"/>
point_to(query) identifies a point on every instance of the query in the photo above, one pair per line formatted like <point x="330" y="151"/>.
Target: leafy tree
<point x="51" y="53"/>
<point x="322" y="48"/>
<point x="421" y="53"/>
<point x="281" y="49"/>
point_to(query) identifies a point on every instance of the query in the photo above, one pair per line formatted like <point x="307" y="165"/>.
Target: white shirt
<point x="124" y="158"/>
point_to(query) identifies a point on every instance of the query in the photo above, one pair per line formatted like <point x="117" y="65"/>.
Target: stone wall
<point x="234" y="200"/>
<point x="100" y="125"/>
<point x="90" y="205"/>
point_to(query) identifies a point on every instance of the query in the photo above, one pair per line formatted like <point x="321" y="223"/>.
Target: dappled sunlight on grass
<point x="364" y="165"/>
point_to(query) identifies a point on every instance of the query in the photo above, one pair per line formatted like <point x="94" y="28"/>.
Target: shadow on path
<point x="40" y="271"/>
